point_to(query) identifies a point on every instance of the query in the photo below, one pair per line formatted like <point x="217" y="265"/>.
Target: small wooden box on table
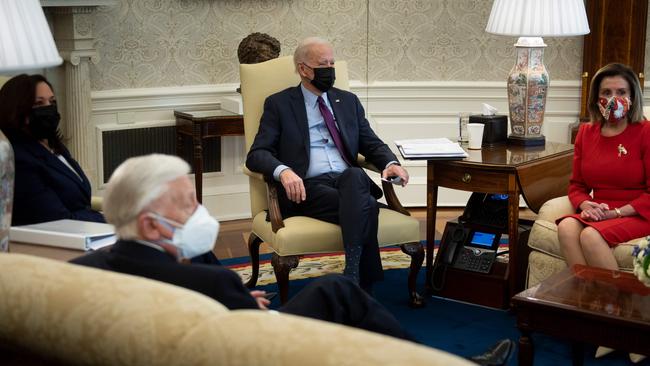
<point x="585" y="304"/>
<point x="538" y="173"/>
<point x="202" y="125"/>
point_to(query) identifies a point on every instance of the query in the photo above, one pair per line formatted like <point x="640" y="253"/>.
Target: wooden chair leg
<point x="254" y="249"/>
<point x="282" y="266"/>
<point x="416" y="252"/>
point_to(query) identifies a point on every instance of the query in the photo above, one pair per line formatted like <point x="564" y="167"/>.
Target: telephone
<point x="470" y="243"/>
<point x="465" y="246"/>
<point x="469" y="248"/>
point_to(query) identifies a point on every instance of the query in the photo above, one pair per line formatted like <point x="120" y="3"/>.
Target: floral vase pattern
<point x="6" y="190"/>
<point x="527" y="88"/>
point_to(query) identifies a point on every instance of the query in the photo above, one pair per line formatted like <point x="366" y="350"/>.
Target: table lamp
<point x="26" y="43"/>
<point x="528" y="80"/>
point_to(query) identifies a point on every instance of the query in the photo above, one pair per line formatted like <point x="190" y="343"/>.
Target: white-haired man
<point x="152" y="203"/>
<point x="308" y="140"/>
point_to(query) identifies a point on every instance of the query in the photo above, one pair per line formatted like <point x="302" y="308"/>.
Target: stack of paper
<point x="430" y="148"/>
<point x="71" y="234"/>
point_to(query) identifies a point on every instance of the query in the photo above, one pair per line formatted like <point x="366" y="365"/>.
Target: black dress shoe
<point x="497" y="355"/>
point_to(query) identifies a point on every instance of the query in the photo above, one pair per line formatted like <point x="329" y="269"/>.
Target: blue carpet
<point x="464" y="329"/>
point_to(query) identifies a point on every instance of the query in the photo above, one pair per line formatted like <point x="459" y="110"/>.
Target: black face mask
<point x="44" y="121"/>
<point x="323" y="78"/>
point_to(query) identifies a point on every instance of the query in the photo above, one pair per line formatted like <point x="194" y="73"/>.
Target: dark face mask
<point x="44" y="121"/>
<point x="323" y="78"/>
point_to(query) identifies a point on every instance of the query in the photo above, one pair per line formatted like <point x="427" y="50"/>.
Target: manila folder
<point x="73" y="234"/>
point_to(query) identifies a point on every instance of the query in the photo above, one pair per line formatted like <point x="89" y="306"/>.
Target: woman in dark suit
<point x="49" y="184"/>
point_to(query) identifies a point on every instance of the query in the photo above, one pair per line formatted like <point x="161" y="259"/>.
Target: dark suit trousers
<point x="344" y="199"/>
<point x="338" y="299"/>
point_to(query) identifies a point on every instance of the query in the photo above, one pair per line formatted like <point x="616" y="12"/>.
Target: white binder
<point x="72" y="234"/>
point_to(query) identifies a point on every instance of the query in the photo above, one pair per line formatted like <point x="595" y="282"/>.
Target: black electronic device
<point x="470" y="243"/>
<point x="469" y="248"/>
<point x="478" y="251"/>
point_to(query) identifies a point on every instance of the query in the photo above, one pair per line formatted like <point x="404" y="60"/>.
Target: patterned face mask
<point x="614" y="109"/>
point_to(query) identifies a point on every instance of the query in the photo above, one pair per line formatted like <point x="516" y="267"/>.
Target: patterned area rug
<point x="321" y="264"/>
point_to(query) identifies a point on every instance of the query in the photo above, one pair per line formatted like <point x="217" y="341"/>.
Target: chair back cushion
<point x="258" y="81"/>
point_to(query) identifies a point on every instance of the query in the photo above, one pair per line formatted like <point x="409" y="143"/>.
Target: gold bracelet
<point x="618" y="212"/>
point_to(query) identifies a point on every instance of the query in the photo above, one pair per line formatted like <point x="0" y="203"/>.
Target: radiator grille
<point x="119" y="145"/>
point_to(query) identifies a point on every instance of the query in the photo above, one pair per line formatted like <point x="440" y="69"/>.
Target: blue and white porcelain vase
<point x="6" y="190"/>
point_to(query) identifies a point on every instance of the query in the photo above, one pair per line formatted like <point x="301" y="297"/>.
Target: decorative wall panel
<point x="153" y="43"/>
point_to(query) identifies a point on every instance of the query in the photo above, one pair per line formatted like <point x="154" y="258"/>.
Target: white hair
<point x="301" y="53"/>
<point x="135" y="184"/>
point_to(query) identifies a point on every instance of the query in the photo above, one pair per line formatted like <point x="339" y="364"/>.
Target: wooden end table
<point x="586" y="305"/>
<point x="202" y="125"/>
<point x="538" y="173"/>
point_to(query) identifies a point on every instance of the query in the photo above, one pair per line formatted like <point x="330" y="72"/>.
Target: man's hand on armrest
<point x="293" y="185"/>
<point x="396" y="170"/>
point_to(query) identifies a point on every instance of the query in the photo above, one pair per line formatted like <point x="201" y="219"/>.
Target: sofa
<point x="60" y="313"/>
<point x="545" y="256"/>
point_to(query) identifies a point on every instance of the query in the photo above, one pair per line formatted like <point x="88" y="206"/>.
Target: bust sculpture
<point x="258" y="47"/>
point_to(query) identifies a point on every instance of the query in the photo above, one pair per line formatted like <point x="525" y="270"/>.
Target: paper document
<point x="73" y="234"/>
<point x="434" y="148"/>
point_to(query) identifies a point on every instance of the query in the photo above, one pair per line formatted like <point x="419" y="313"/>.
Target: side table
<point x="538" y="173"/>
<point x="200" y="126"/>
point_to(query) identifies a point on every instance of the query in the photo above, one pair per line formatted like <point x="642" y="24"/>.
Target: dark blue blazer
<point x="45" y="188"/>
<point x="204" y="275"/>
<point x="283" y="135"/>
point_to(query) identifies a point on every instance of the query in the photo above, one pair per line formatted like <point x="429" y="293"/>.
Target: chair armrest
<point x="252" y="174"/>
<point x="391" y="198"/>
<point x="277" y="222"/>
<point x="387" y="187"/>
<point x="96" y="203"/>
<point x="555" y="208"/>
<point x="361" y="160"/>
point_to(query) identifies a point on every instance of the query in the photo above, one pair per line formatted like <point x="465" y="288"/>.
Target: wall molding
<point x="395" y="110"/>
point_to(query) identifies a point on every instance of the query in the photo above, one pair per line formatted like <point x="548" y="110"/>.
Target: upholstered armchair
<point x="296" y="236"/>
<point x="546" y="257"/>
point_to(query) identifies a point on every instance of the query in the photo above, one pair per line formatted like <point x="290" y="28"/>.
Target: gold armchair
<point x="295" y="236"/>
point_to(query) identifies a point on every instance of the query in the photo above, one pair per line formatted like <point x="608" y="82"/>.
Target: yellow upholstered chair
<point x="295" y="236"/>
<point x="546" y="257"/>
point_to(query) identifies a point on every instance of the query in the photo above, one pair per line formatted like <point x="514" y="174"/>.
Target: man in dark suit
<point x="308" y="141"/>
<point x="152" y="203"/>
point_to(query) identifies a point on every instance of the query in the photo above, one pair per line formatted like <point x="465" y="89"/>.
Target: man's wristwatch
<point x="618" y="212"/>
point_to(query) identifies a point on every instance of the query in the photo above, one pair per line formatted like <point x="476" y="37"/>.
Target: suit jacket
<point x="283" y="135"/>
<point x="132" y="258"/>
<point x="45" y="188"/>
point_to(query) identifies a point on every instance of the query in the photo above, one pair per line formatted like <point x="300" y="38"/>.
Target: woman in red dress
<point x="611" y="172"/>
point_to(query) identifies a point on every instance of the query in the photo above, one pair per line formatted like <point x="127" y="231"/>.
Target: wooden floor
<point x="234" y="234"/>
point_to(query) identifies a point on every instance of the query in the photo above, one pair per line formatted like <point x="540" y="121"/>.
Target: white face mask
<point x="196" y="237"/>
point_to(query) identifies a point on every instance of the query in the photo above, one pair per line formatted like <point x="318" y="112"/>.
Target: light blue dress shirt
<point x="324" y="157"/>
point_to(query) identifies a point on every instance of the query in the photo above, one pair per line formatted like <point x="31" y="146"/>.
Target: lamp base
<point x="526" y="141"/>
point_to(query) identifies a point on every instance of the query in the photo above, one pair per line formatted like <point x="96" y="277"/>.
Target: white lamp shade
<point x="25" y="38"/>
<point x="538" y="18"/>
